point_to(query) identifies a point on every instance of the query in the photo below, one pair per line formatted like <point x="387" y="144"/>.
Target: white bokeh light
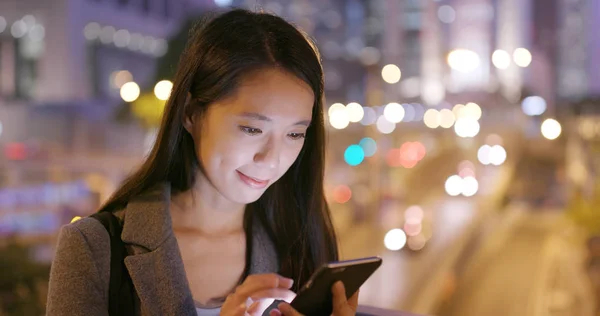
<point x="470" y="186"/>
<point x="384" y="126"/>
<point x="130" y="91"/>
<point x="391" y="73"/>
<point x="394" y="112"/>
<point x="355" y="112"/>
<point x="466" y="127"/>
<point x="454" y="185"/>
<point x="463" y="60"/>
<point x="501" y="59"/>
<point x="534" y="105"/>
<point x="395" y="239"/>
<point x="551" y="129"/>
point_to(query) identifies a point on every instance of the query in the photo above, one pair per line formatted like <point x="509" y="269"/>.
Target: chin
<point x="245" y="196"/>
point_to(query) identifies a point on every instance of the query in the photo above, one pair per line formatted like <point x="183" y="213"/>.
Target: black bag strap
<point x="120" y="289"/>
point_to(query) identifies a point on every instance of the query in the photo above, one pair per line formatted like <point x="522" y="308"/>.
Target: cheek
<point x="288" y="157"/>
<point x="224" y="153"/>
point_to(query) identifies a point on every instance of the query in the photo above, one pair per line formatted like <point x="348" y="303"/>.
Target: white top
<point x="208" y="311"/>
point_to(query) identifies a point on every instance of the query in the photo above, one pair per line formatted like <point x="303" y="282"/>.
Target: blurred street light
<point x="534" y="105"/>
<point x="501" y="59"/>
<point x="162" y="90"/>
<point x="130" y="91"/>
<point x="551" y="129"/>
<point x="522" y="57"/>
<point x="391" y="73"/>
<point x="338" y="116"/>
<point x="395" y="239"/>
<point x="463" y="60"/>
<point x="394" y="112"/>
<point x="355" y="112"/>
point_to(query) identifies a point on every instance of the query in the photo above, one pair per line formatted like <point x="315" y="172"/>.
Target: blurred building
<point x="62" y="63"/>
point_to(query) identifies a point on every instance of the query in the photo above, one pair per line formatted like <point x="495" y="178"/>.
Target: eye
<point x="250" y="130"/>
<point x="296" y="136"/>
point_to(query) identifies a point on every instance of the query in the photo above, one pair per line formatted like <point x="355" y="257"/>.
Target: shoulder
<point x="84" y="238"/>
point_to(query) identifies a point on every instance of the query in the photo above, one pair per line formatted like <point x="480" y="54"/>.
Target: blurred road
<point x="536" y="270"/>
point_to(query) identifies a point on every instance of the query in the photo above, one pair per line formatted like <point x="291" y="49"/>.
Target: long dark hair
<point x="218" y="54"/>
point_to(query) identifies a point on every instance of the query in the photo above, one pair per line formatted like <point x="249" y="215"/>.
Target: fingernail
<point x="274" y="312"/>
<point x="283" y="307"/>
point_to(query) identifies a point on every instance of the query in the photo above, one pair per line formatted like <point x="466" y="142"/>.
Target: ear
<point x="188" y="118"/>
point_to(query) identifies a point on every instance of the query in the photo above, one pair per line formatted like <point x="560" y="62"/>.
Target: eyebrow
<point x="260" y="117"/>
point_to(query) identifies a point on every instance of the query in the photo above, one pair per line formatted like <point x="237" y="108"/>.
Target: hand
<point x="247" y="297"/>
<point x="341" y="305"/>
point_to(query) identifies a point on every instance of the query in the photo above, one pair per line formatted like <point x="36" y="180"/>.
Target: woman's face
<point x="248" y="140"/>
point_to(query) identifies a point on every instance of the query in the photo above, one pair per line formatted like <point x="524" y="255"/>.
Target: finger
<point x="287" y="310"/>
<point x="274" y="312"/>
<point x="353" y="301"/>
<point x="258" y="282"/>
<point x="339" y="296"/>
<point x="254" y="307"/>
<point x="258" y="308"/>
<point x="280" y="294"/>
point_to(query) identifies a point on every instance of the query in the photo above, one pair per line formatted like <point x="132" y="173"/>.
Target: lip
<point x="252" y="182"/>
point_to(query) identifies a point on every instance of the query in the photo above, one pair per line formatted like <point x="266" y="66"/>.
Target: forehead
<point x="273" y="93"/>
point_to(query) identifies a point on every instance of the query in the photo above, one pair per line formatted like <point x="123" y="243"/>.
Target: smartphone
<point x="315" y="297"/>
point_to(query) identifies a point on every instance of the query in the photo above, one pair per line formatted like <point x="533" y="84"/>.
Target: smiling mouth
<point x="252" y="182"/>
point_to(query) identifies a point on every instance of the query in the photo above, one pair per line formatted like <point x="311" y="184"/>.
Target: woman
<point x="228" y="210"/>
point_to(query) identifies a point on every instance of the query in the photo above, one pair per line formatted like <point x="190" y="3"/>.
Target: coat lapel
<point x="155" y="267"/>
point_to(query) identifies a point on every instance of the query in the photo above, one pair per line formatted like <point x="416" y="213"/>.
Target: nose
<point x="268" y="156"/>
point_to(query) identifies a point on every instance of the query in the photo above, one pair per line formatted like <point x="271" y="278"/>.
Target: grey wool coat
<point x="79" y="276"/>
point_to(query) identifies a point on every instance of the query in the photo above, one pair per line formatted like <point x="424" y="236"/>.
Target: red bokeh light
<point x="15" y="151"/>
<point x="342" y="194"/>
<point x="407" y="156"/>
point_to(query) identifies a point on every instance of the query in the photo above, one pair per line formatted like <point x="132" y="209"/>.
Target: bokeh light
<point x="431" y="118"/>
<point x="446" y="118"/>
<point x="466" y="127"/>
<point x="416" y="242"/>
<point x="394" y="112"/>
<point x="354" y="155"/>
<point x="454" y="185"/>
<point x="522" y="57"/>
<point x="470" y="186"/>
<point x="395" y="239"/>
<point x="497" y="155"/>
<point x="384" y="126"/>
<point x="407" y="156"/>
<point x="463" y="60"/>
<point x="342" y="194"/>
<point x="130" y="91"/>
<point x="369" y="146"/>
<point x="338" y="116"/>
<point x="483" y="154"/>
<point x="121" y="77"/>
<point x="162" y="89"/>
<point x="501" y="59"/>
<point x="391" y="73"/>
<point x="412" y="228"/>
<point x="369" y="116"/>
<point x="533" y="105"/>
<point x="414" y="213"/>
<point x="335" y="107"/>
<point x="355" y="112"/>
<point x="551" y="129"/>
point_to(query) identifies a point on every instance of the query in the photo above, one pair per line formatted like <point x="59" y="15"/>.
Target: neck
<point x="203" y="210"/>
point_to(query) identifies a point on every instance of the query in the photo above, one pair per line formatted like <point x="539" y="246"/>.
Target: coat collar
<point x="156" y="267"/>
<point x="147" y="218"/>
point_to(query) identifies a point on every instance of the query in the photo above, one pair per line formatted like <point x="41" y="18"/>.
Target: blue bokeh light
<point x="354" y="155"/>
<point x="369" y="146"/>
